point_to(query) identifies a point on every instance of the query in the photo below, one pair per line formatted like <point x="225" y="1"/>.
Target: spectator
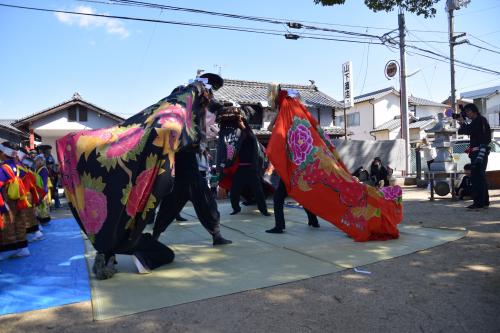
<point x="465" y="187"/>
<point x="378" y="173"/>
<point x="428" y="151"/>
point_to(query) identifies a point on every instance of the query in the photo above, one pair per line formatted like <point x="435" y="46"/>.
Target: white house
<point x="375" y="115"/>
<point x="488" y="102"/>
<point x="70" y="116"/>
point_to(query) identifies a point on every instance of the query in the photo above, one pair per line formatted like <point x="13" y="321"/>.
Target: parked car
<point x="461" y="158"/>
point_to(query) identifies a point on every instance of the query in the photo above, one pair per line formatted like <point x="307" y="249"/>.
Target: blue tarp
<point x="55" y="273"/>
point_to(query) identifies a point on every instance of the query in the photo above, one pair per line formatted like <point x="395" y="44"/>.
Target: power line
<point x="483" y="48"/>
<point x="156" y="6"/>
<point x="255" y="30"/>
<point x="241" y="17"/>
<point x="201" y="25"/>
<point x="485" y="42"/>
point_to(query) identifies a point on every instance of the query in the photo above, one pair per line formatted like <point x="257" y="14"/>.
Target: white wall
<point x="427" y="111"/>
<point x="493" y="109"/>
<point x="59" y="121"/>
<point x="361" y="132"/>
<point x="386" y="109"/>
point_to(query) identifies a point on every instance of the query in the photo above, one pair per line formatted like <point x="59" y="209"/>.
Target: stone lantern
<point x="442" y="133"/>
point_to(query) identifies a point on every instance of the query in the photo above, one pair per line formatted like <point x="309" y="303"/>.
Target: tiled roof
<point x="7" y="124"/>
<point x="375" y="95"/>
<point x="253" y="92"/>
<point x="76" y="98"/>
<point x="423" y="122"/>
<point x="412" y="100"/>
<point x="414" y="123"/>
<point x="389" y="125"/>
<point x="480" y="93"/>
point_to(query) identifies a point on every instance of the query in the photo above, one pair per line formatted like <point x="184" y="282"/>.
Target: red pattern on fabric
<point x="317" y="178"/>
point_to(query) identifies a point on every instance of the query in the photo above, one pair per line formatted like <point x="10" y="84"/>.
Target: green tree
<point x="419" y="7"/>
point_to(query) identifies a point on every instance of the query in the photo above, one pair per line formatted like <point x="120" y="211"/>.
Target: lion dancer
<point x="190" y="185"/>
<point x="13" y="242"/>
<point x="238" y="154"/>
<point x="34" y="195"/>
<point x="43" y="181"/>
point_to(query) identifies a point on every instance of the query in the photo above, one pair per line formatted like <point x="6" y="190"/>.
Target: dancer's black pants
<point x="279" y="200"/>
<point x="247" y="176"/>
<point x="188" y="185"/>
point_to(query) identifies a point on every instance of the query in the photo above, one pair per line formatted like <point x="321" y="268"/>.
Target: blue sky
<point x="124" y="66"/>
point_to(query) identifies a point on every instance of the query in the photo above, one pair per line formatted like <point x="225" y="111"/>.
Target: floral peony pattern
<point x="300" y="142"/>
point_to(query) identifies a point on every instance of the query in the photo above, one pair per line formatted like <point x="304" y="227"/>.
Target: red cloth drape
<point x="317" y="178"/>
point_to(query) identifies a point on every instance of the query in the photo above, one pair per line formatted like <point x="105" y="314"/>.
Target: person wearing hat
<point x="378" y="173"/>
<point x="13" y="242"/>
<point x="43" y="209"/>
<point x="189" y="183"/>
<point x="28" y="176"/>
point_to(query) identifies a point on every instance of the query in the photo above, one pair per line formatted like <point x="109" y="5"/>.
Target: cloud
<point x="112" y="26"/>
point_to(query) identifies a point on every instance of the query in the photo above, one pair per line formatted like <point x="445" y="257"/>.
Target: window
<point x="72" y="113"/>
<point x="352" y="120"/>
<point x="82" y="113"/>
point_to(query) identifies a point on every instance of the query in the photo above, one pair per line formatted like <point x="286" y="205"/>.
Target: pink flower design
<point x="95" y="212"/>
<point x="300" y="143"/>
<point x="392" y="192"/>
<point x="125" y="143"/>
<point x="140" y="192"/>
<point x="230" y="151"/>
<point x="70" y="176"/>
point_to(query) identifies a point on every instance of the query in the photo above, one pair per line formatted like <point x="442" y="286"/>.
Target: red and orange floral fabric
<point x="317" y="178"/>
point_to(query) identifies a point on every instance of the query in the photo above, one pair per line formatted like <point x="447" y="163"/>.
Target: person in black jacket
<point x="480" y="138"/>
<point x="378" y="173"/>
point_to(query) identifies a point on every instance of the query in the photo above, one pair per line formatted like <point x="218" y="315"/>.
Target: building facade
<point x="72" y="115"/>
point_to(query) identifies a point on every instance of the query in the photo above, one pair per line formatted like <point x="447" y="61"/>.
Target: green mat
<point x="255" y="260"/>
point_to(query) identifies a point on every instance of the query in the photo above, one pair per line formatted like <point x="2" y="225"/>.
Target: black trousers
<point x="247" y="176"/>
<point x="478" y="179"/>
<point x="154" y="253"/>
<point x="188" y="185"/>
<point x="279" y="200"/>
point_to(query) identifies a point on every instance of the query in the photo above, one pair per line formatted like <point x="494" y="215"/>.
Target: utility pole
<point x="451" y="6"/>
<point x="405" y="130"/>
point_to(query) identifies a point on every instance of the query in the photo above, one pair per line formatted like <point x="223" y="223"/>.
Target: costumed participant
<point x="315" y="176"/>
<point x="53" y="169"/>
<point x="114" y="178"/>
<point x="239" y="158"/>
<point x="43" y="181"/>
<point x="189" y="184"/>
<point x="13" y="243"/>
<point x="34" y="195"/>
<point x="279" y="197"/>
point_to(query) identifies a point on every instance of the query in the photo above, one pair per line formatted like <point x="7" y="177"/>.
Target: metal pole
<point x="405" y="130"/>
<point x="452" y="59"/>
<point x="345" y="124"/>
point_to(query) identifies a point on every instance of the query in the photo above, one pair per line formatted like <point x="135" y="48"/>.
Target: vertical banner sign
<point x="347" y="76"/>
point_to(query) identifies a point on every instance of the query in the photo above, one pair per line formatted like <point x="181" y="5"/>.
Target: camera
<point x="460" y="114"/>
